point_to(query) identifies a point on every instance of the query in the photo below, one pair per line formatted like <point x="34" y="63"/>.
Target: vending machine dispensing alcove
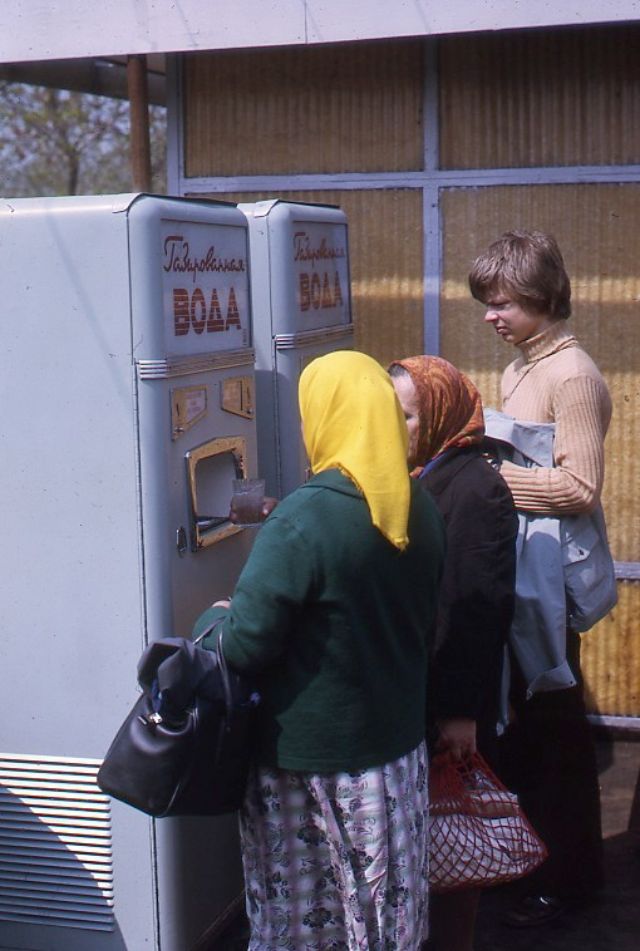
<point x="127" y="381"/>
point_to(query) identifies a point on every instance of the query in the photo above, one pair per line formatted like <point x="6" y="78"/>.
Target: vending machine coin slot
<point x="211" y="469"/>
<point x="188" y="406"/>
<point x="236" y="396"/>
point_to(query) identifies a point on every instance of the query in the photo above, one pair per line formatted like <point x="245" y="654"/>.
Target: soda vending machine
<point x="127" y="380"/>
<point x="301" y="304"/>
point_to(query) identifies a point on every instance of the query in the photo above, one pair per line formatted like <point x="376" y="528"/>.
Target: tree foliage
<point x="56" y="142"/>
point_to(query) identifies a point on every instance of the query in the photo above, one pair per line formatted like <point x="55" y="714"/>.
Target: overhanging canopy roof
<point x="34" y="30"/>
<point x="103" y="77"/>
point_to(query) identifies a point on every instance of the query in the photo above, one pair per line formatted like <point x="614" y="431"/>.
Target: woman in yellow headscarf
<point x="332" y="615"/>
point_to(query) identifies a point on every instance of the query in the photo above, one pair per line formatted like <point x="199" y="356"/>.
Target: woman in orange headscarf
<point x="443" y="411"/>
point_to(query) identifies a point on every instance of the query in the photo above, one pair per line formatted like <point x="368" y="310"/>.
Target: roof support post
<point x="139" y="119"/>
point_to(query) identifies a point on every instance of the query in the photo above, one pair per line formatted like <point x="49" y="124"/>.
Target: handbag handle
<point x="224" y="675"/>
<point x="209" y="629"/>
<point x="222" y="664"/>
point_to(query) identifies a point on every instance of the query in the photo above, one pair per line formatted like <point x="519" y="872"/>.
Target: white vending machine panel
<point x="127" y="373"/>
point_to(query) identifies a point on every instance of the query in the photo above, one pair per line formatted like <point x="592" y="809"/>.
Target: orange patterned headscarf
<point x="450" y="407"/>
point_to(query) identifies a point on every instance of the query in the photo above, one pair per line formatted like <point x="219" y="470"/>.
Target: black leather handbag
<point x="185" y="747"/>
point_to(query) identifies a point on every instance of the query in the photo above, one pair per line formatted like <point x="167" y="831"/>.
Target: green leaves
<point x="57" y="142"/>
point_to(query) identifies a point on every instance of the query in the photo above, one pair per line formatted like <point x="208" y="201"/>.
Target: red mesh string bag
<point x="479" y="835"/>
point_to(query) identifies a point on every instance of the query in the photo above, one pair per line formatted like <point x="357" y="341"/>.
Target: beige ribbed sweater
<point x="555" y="381"/>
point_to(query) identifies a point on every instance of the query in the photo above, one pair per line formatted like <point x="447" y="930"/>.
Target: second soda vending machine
<point x="127" y="381"/>
<point x="301" y="301"/>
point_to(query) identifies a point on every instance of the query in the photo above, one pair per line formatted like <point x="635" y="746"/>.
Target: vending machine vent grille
<point x="56" y="863"/>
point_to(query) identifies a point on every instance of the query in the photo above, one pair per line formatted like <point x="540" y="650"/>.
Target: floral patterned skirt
<point x="337" y="862"/>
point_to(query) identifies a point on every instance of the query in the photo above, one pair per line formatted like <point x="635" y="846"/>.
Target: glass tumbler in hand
<point x="247" y="502"/>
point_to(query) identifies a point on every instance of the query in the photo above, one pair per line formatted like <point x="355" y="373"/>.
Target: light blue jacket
<point x="565" y="574"/>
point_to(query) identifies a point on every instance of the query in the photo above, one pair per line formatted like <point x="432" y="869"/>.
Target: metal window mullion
<point x="432" y="231"/>
<point x="342" y="181"/>
<point x="175" y="125"/>
<point x="538" y="175"/>
<point x="431" y="224"/>
<point x="444" y="178"/>
<point x="627" y="570"/>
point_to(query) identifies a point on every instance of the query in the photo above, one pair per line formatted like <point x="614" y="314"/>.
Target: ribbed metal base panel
<point x="56" y="864"/>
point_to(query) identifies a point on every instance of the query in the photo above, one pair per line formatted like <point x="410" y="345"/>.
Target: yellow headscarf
<point x="352" y="421"/>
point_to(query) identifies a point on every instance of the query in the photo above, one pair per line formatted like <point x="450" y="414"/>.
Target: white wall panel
<point x="59" y="29"/>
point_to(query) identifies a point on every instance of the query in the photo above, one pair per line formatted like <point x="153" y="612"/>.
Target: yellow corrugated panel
<point x="611" y="657"/>
<point x="353" y="107"/>
<point x="563" y="97"/>
<point x="386" y="255"/>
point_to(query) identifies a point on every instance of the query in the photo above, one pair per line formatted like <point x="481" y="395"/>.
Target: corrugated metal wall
<point x="351" y="108"/>
<point x="318" y="109"/>
<point x="565" y="97"/>
<point x="534" y="129"/>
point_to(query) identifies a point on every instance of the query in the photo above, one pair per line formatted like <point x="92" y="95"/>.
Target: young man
<point x="549" y="751"/>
